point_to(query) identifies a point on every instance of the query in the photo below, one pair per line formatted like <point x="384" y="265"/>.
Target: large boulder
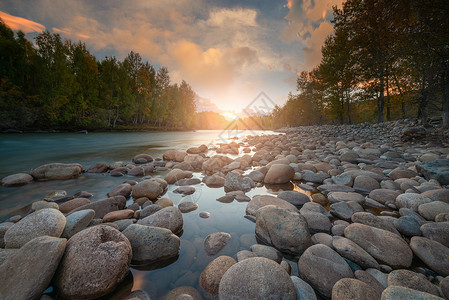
<point x="77" y="221"/>
<point x="430" y="210"/>
<point x="386" y="247"/>
<point x="259" y="201"/>
<point x="56" y="171"/>
<point x="215" y="242"/>
<point x="412" y="280"/>
<point x="123" y="189"/>
<point x="256" y="278"/>
<point x="151" y="244"/>
<point x="95" y="261"/>
<point x="211" y="276"/>
<point x="279" y="173"/>
<point x="235" y="182"/>
<point x="437" y="231"/>
<point x="432" y="253"/>
<point x="27" y="274"/>
<point x="436" y="169"/>
<point x="168" y="217"/>
<point x="322" y="267"/>
<point x="350" y="250"/>
<point x="296" y="198"/>
<point x="349" y="288"/>
<point x="174" y="175"/>
<point x="284" y="229"/>
<point x="149" y="188"/>
<point x="399" y="292"/>
<point x="104" y="207"/>
<point x="411" y="200"/>
<point x="70" y="205"/>
<point x="16" y="179"/>
<point x="48" y="221"/>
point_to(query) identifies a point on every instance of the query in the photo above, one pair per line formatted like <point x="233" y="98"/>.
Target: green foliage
<point x="60" y="84"/>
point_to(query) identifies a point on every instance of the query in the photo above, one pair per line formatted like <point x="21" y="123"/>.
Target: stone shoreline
<point x="368" y="219"/>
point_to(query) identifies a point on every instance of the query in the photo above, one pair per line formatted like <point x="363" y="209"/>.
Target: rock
<point x="215" y="242"/>
<point x="235" y="182"/>
<point x="174" y="175"/>
<point x="212" y="275"/>
<point x="122" y="190"/>
<point x="401" y="173"/>
<point x="345" y="196"/>
<point x="436" y="169"/>
<point x="150" y="244"/>
<point x="38" y="205"/>
<point x="374" y="221"/>
<point x="303" y="290"/>
<point x="384" y="195"/>
<point x="204" y="214"/>
<point x="398" y="292"/>
<point x="411" y="200"/>
<point x="183" y="293"/>
<point x="350" y="250"/>
<point x="3" y="228"/>
<point x="17" y="179"/>
<point x="256" y="278"/>
<point x="174" y="155"/>
<point x="267" y="252"/>
<point x="328" y="188"/>
<point x="95" y="261"/>
<point x="122" y="224"/>
<point x="256" y="176"/>
<point x="386" y="247"/>
<point x="349" y="156"/>
<point x="105" y="206"/>
<point x="148" y="188"/>
<point x="345" y="210"/>
<point x="263" y="200"/>
<point x="312" y="207"/>
<point x="185" y="190"/>
<point x="438" y="195"/>
<point x="149" y="210"/>
<point x="444" y="286"/>
<point x="407" y="226"/>
<point x="348" y="288"/>
<point x="279" y="173"/>
<point x="322" y="238"/>
<point x="77" y="221"/>
<point x="430" y="210"/>
<point x="343" y="179"/>
<point x="365" y="183"/>
<point x="70" y="205"/>
<point x="169" y="217"/>
<point x="142" y="158"/>
<point x="215" y="163"/>
<point x="369" y="280"/>
<point x="412" y="280"/>
<point x="214" y="181"/>
<point x="437" y="232"/>
<point x="322" y="267"/>
<point x="5" y="254"/>
<point x="296" y="198"/>
<point x="98" y="168"/>
<point x="432" y="253"/>
<point x="317" y="222"/>
<point x="188" y="206"/>
<point x="43" y="222"/>
<point x="118" y="215"/>
<point x="443" y="217"/>
<point x="56" y="171"/>
<point x="245" y="254"/>
<point x="164" y="202"/>
<point x="284" y="229"/>
<point x="27" y="274"/>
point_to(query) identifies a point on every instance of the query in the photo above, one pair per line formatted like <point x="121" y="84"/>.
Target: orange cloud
<point x="18" y="23"/>
<point x="68" y="32"/>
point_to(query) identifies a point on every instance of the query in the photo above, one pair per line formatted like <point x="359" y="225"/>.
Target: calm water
<point x="26" y="151"/>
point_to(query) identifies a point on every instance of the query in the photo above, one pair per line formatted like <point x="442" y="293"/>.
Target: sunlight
<point x="229" y="115"/>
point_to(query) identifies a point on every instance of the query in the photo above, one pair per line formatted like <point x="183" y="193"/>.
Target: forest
<point x="386" y="60"/>
<point x="59" y="84"/>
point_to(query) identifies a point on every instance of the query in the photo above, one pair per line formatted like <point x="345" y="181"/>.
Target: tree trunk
<point x="402" y="96"/>
<point x="445" y="90"/>
<point x="422" y="104"/>
<point x="116" y="117"/>
<point x="381" y="101"/>
<point x="348" y="107"/>
<point x="388" y="102"/>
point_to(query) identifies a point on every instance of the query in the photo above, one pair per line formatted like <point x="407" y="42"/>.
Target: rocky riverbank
<point x="362" y="210"/>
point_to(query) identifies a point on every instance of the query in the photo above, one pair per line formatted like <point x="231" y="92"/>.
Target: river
<point x="22" y="152"/>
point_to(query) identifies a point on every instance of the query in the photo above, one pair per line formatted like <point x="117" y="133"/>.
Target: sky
<point x="229" y="51"/>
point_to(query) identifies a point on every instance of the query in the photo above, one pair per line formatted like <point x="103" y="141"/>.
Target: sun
<point x="229" y="115"/>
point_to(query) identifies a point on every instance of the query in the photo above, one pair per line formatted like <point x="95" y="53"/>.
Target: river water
<point x="22" y="152"/>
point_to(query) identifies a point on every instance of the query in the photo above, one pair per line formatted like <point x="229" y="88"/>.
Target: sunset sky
<point x="229" y="51"/>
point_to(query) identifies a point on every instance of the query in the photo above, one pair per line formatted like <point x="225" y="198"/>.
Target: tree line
<point x="59" y="84"/>
<point x="385" y="60"/>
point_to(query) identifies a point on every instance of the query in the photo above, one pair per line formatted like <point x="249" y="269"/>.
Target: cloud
<point x="17" y="23"/>
<point x="308" y="26"/>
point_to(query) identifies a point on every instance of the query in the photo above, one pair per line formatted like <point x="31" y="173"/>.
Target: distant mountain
<point x="205" y="104"/>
